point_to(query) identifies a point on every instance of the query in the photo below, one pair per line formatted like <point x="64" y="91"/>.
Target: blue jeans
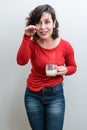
<point x="45" y="109"/>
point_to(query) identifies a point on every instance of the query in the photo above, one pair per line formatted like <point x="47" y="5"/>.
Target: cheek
<point x="51" y="30"/>
<point x="50" y="27"/>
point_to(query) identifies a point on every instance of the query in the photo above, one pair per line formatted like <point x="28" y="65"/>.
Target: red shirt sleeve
<point x="24" y="51"/>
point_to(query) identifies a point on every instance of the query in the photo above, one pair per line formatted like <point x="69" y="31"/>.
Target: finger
<point x="61" y="68"/>
<point x="30" y="27"/>
<point x="60" y="73"/>
<point x="37" y="28"/>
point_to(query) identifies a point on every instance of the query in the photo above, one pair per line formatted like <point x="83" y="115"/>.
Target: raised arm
<point x="24" y="51"/>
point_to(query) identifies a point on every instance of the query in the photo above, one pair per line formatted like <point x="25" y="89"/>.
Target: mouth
<point x="43" y="33"/>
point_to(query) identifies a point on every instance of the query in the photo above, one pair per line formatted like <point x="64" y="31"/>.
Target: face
<point x="45" y="26"/>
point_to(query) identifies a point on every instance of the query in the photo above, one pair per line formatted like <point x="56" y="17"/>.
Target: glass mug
<point x="51" y="69"/>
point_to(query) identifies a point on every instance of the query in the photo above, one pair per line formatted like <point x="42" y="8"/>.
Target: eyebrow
<point x="46" y="19"/>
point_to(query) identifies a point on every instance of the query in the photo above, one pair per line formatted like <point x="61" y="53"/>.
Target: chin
<point x="44" y="37"/>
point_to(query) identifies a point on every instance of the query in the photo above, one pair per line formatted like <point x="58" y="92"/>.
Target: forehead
<point x="46" y="15"/>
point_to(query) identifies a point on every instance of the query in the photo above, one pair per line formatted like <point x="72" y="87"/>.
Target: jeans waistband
<point x="56" y="87"/>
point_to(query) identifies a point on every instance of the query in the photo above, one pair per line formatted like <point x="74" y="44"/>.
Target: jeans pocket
<point x="57" y="90"/>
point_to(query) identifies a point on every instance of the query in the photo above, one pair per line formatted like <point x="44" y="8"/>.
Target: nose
<point x="42" y="26"/>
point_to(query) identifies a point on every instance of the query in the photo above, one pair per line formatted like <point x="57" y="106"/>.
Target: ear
<point x="54" y="23"/>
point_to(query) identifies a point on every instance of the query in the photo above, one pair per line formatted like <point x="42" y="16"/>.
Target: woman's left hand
<point x="61" y="70"/>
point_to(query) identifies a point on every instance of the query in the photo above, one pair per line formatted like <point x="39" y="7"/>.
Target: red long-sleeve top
<point x="62" y="54"/>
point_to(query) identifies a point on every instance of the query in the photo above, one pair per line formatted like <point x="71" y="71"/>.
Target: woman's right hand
<point x="30" y="30"/>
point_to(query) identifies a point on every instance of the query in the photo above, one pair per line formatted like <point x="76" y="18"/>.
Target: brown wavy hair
<point x="35" y="15"/>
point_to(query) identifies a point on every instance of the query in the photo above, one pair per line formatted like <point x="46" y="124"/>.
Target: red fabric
<point x="61" y="55"/>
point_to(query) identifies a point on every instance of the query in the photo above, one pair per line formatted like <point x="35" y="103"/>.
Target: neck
<point x="49" y="43"/>
<point x="44" y="41"/>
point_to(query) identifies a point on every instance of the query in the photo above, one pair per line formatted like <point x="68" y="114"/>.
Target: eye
<point x="47" y="21"/>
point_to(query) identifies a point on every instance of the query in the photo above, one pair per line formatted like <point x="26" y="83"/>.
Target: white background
<point x="72" y="17"/>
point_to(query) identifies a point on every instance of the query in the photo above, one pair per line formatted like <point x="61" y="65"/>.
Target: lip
<point x="43" y="32"/>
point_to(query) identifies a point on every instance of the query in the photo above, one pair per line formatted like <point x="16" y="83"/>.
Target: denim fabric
<point x="45" y="109"/>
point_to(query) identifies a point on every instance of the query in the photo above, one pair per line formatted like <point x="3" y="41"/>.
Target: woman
<point x="41" y="44"/>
